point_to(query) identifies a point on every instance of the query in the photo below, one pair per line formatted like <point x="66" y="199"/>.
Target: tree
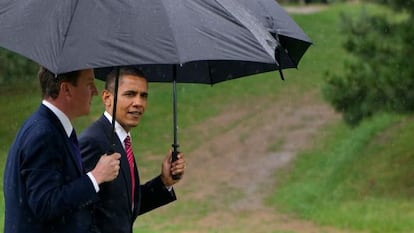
<point x="381" y="76"/>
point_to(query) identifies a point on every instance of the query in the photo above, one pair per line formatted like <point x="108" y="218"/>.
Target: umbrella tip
<point x="279" y="61"/>
<point x="281" y="74"/>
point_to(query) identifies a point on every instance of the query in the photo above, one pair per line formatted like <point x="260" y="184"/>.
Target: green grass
<point x="353" y="178"/>
<point x="357" y="178"/>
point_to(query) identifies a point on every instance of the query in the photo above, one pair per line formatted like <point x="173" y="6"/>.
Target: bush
<point x="380" y="78"/>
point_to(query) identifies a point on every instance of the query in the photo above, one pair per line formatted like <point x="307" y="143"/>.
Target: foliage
<point x="380" y="77"/>
<point x="399" y="5"/>
<point x="14" y="67"/>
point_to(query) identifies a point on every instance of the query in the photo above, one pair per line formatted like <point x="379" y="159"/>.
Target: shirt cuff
<point x="169" y="188"/>
<point x="95" y="184"/>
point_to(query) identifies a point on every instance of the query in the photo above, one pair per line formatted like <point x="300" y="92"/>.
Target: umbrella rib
<point x="170" y="20"/>
<point x="66" y="33"/>
<point x="279" y="60"/>
<point x="254" y="27"/>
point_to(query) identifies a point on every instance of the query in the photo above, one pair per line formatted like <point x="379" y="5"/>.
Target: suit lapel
<point x="43" y="110"/>
<point x="123" y="161"/>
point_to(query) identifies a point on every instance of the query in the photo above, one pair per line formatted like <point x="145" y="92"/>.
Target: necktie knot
<point x="127" y="142"/>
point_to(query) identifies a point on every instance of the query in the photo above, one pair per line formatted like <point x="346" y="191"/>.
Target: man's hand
<point x="168" y="169"/>
<point x="107" y="168"/>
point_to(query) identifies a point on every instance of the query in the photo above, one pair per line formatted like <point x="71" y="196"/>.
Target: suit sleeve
<point x="91" y="151"/>
<point x="154" y="194"/>
<point x="53" y="183"/>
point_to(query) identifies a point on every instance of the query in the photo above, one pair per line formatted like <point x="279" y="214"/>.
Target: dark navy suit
<point x="45" y="189"/>
<point x="114" y="211"/>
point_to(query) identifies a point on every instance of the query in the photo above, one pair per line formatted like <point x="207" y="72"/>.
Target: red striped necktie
<point x="130" y="156"/>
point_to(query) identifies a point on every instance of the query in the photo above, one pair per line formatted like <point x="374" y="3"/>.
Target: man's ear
<point x="65" y="90"/>
<point x="107" y="98"/>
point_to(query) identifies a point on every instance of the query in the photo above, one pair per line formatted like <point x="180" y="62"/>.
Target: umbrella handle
<point x="174" y="157"/>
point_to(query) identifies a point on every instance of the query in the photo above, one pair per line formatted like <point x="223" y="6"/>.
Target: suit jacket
<point x="45" y="189"/>
<point x="114" y="212"/>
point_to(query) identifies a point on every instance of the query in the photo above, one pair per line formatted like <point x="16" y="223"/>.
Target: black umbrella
<point x="293" y="41"/>
<point x="74" y="34"/>
<point x="193" y="41"/>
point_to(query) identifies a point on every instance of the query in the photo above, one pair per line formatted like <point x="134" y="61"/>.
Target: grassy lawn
<point x="355" y="178"/>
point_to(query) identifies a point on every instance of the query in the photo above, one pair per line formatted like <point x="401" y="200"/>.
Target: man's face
<point x="83" y="93"/>
<point x="131" y="102"/>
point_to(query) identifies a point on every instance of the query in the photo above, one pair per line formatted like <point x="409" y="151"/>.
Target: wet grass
<point x="357" y="178"/>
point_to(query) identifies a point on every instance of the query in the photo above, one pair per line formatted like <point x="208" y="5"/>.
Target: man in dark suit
<point x="123" y="199"/>
<point x="45" y="187"/>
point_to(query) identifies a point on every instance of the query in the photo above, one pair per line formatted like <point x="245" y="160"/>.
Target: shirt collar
<point x="120" y="131"/>
<point x="64" y="120"/>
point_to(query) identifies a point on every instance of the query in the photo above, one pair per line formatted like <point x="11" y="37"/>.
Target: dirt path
<point x="305" y="9"/>
<point x="241" y="162"/>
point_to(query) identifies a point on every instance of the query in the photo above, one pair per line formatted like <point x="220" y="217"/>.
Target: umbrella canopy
<point x="74" y="34"/>
<point x="190" y="41"/>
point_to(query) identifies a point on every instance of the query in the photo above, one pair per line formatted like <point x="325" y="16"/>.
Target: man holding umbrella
<point x="45" y="187"/>
<point x="123" y="199"/>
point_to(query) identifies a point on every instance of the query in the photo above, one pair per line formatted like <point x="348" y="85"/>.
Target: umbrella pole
<point x="175" y="144"/>
<point x="112" y="149"/>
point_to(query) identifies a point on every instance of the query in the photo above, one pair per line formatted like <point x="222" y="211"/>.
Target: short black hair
<point x="124" y="70"/>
